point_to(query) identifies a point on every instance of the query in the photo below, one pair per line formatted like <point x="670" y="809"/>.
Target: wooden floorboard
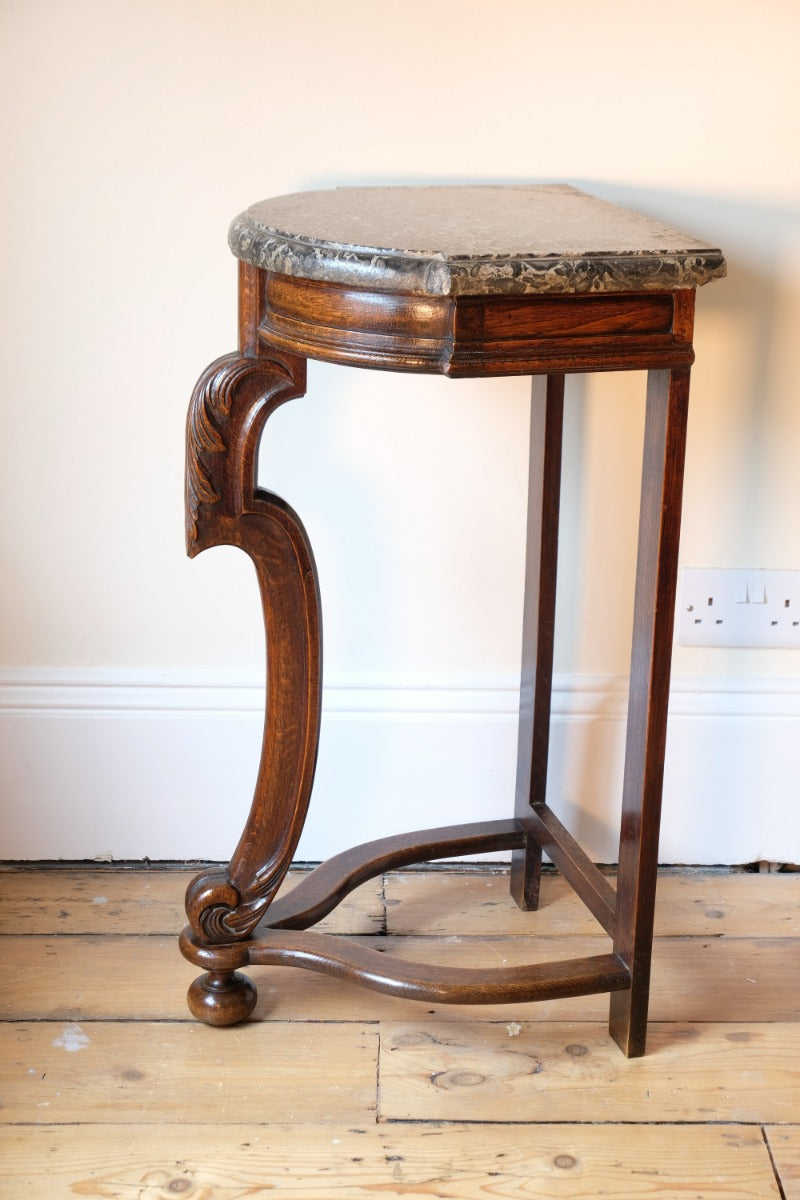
<point x="138" y="902"/>
<point x="784" y="1143"/>
<point x="329" y="1162"/>
<point x="552" y="1071"/>
<point x="691" y="904"/>
<point x="109" y="1089"/>
<point x="435" y="903"/>
<point x="133" y="1071"/>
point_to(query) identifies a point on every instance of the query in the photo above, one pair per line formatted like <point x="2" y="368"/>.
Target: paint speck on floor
<point x="72" y="1039"/>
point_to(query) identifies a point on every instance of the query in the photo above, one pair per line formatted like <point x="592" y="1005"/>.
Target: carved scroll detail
<point x="210" y="900"/>
<point x="209" y="416"/>
<point x="227" y="413"/>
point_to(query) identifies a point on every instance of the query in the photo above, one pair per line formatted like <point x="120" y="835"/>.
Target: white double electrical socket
<point x="739" y="608"/>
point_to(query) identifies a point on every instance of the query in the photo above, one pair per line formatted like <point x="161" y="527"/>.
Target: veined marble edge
<point x="438" y="273"/>
<point x="435" y="274"/>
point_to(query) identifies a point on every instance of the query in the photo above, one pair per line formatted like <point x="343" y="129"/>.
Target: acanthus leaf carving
<point x="212" y="412"/>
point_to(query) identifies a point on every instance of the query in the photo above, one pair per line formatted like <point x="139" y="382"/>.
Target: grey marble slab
<point x="480" y="240"/>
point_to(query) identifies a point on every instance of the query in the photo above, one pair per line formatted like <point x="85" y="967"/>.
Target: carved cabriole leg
<point x="654" y="606"/>
<point x="229" y="407"/>
<point x="544" y="486"/>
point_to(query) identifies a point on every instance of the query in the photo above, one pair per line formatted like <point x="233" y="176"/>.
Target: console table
<point x="462" y="281"/>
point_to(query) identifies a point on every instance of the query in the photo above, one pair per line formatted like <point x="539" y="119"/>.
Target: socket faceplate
<point x="739" y="607"/>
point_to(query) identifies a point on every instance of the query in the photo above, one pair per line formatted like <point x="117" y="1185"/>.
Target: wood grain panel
<point x="445" y="903"/>
<point x="139" y="902"/>
<point x="97" y="1073"/>
<point x="448" y="1071"/>
<point x="476" y="335"/>
<point x="512" y="317"/>
<point x="785" y="1147"/>
<point x="337" y="1162"/>
<point x="700" y="904"/>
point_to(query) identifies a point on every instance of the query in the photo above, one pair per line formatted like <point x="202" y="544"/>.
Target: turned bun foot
<point x="222" y="999"/>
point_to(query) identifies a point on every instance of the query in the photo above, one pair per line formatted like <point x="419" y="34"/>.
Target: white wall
<point x="133" y="131"/>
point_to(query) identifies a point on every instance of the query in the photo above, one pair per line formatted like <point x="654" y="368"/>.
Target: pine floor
<point x="109" y="1089"/>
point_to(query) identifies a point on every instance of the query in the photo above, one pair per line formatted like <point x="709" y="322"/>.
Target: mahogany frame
<point x="234" y="917"/>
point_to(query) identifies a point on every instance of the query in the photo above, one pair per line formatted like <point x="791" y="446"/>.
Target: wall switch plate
<point x="739" y="608"/>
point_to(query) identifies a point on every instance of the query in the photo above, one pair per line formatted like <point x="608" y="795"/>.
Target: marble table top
<point x="477" y="240"/>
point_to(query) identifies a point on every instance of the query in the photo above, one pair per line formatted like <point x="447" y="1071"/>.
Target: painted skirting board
<point x="134" y="765"/>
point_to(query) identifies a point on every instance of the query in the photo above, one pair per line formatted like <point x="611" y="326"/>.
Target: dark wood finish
<point x="513" y="335"/>
<point x="654" y="606"/>
<point x="349" y="960"/>
<point x="356" y="327"/>
<point x="224" y="997"/>
<point x="474" y="335"/>
<point x="252" y="302"/>
<point x="538" y="625"/>
<point x="229" y="408"/>
<point x="234" y="918"/>
<point x="221" y="998"/>
<point x="324" y="888"/>
<point x="574" y="864"/>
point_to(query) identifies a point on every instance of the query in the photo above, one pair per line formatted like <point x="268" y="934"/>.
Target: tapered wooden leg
<point x="228" y="410"/>
<point x="544" y="488"/>
<point x="654" y="606"/>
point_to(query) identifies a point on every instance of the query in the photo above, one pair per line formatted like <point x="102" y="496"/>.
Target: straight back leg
<point x="541" y="556"/>
<point x="654" y="607"/>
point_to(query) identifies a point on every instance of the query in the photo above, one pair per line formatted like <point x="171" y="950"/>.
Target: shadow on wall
<point x="740" y="461"/>
<point x="762" y="245"/>
<point x="739" y="476"/>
